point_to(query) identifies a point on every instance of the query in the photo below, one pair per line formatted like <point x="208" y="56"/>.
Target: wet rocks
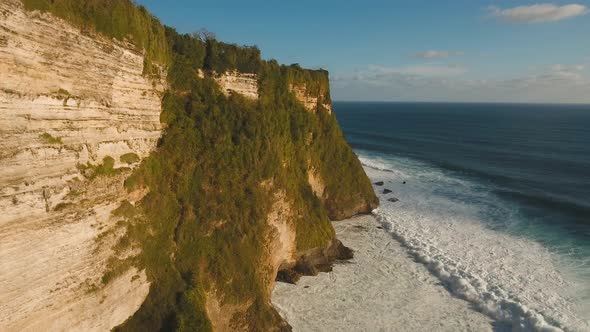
<point x="315" y="261"/>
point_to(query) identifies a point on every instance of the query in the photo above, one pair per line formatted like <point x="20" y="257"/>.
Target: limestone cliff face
<point x="247" y="85"/>
<point x="236" y="82"/>
<point x="66" y="100"/>
<point x="309" y="100"/>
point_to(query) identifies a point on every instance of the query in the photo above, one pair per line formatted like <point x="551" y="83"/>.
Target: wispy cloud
<point x="430" y="70"/>
<point x="410" y="78"/>
<point x="553" y="83"/>
<point x="436" y="54"/>
<point x="569" y="68"/>
<point x="557" y="74"/>
<point x="538" y="13"/>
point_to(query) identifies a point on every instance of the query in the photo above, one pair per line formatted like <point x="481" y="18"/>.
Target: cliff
<point x="67" y="100"/>
<point x="140" y="190"/>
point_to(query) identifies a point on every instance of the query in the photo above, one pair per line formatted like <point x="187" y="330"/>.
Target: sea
<point x="494" y="199"/>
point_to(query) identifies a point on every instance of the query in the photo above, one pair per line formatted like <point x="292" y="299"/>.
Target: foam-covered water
<point x="471" y="239"/>
<point x="497" y="200"/>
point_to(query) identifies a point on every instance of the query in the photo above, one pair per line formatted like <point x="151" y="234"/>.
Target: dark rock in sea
<point x="387" y="191"/>
<point x="393" y="199"/>
<point x="380" y="183"/>
<point x="314" y="261"/>
<point x="289" y="276"/>
<point x="404" y="182"/>
<point x="340" y="212"/>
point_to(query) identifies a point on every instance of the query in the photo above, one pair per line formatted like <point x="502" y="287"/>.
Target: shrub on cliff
<point x="222" y="57"/>
<point x="129" y="158"/>
<point x="47" y="138"/>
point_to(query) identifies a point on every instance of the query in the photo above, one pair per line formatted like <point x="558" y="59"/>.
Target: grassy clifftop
<point x="203" y="227"/>
<point x="119" y="19"/>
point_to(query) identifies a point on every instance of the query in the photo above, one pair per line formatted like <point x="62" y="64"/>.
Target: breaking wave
<point x="458" y="229"/>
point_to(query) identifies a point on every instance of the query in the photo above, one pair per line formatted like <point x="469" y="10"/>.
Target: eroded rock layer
<point x="309" y="100"/>
<point x="68" y="100"/>
<point x="236" y="82"/>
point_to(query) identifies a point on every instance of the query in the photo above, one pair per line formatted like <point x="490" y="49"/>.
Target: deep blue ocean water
<point x="532" y="160"/>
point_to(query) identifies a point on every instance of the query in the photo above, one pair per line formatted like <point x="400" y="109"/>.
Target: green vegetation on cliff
<point x="123" y="20"/>
<point x="207" y="204"/>
<point x="315" y="81"/>
<point x="203" y="229"/>
<point x="119" y="19"/>
<point x="47" y="138"/>
<point x="129" y="158"/>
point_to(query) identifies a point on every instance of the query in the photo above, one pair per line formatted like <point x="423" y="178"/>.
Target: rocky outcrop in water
<point x="314" y="261"/>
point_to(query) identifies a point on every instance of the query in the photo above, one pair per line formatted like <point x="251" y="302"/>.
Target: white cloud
<point x="434" y="70"/>
<point x="552" y="84"/>
<point x="555" y="74"/>
<point x="560" y="67"/>
<point x="430" y="70"/>
<point x="538" y="13"/>
<point x="436" y="54"/>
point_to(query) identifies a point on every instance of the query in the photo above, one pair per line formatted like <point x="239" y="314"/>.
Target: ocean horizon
<point x="343" y="101"/>
<point x="492" y="197"/>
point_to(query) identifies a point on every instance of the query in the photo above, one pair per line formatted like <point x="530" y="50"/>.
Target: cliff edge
<point x="152" y="180"/>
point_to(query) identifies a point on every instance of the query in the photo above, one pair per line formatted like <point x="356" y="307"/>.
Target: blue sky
<point x="490" y="51"/>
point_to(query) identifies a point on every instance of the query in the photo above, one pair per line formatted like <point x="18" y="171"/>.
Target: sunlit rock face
<point x="236" y="82"/>
<point x="308" y="100"/>
<point x="67" y="99"/>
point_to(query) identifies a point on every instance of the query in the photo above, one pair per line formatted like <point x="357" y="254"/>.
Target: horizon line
<point x="462" y="102"/>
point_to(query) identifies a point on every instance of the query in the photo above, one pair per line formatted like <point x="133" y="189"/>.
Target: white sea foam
<point x="438" y="219"/>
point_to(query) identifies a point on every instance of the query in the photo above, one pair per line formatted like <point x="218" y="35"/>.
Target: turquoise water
<point x="522" y="170"/>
